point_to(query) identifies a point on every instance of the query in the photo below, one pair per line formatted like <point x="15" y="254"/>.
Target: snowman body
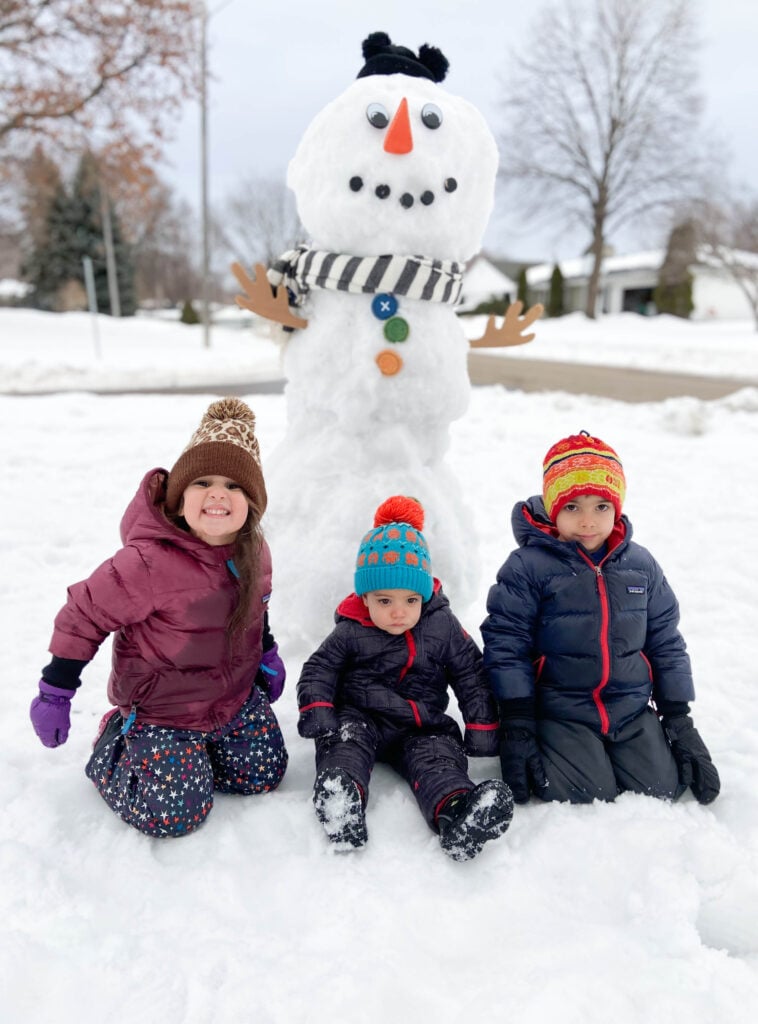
<point x="394" y="166"/>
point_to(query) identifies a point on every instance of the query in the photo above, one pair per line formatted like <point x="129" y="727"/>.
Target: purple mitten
<point x="272" y="673"/>
<point x="51" y="714"/>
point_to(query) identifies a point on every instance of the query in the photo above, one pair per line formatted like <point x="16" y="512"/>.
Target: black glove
<point x="317" y="720"/>
<point x="696" y="769"/>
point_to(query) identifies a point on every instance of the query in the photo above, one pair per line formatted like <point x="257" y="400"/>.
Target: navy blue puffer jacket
<point x="401" y="681"/>
<point x="591" y="643"/>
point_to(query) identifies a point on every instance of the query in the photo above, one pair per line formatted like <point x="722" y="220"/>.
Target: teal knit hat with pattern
<point x="394" y="555"/>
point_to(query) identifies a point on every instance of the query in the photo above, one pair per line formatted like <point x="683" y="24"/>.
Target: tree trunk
<point x="596" y="251"/>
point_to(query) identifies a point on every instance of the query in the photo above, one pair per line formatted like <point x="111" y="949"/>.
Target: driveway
<point x="620" y="383"/>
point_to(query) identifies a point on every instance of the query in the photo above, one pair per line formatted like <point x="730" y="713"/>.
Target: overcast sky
<point x="275" y="66"/>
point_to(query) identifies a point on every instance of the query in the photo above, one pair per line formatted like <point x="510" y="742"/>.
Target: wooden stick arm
<point x="260" y="298"/>
<point x="511" y="330"/>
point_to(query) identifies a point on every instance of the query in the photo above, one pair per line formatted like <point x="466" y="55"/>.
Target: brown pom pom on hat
<point x="223" y="445"/>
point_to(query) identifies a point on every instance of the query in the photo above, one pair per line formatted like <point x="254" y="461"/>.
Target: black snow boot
<point x="339" y="807"/>
<point x="468" y="820"/>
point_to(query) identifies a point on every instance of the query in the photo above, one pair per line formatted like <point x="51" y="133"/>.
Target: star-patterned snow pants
<point x="161" y="780"/>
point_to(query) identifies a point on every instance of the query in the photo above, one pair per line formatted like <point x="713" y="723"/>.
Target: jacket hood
<point x="145" y="519"/>
<point x="531" y="525"/>
<point x="352" y="607"/>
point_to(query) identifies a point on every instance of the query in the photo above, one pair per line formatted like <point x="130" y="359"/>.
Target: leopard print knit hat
<point x="223" y="445"/>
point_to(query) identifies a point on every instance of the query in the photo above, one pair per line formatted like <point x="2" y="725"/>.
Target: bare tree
<point x="163" y="233"/>
<point x="727" y="226"/>
<point x="601" y="112"/>
<point x="258" y="221"/>
<point x="77" y="74"/>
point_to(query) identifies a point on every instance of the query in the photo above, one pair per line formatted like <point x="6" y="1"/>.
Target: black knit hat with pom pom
<point x="223" y="445"/>
<point x="384" y="58"/>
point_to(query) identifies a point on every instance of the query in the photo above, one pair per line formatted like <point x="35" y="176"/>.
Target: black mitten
<point x="521" y="763"/>
<point x="481" y="740"/>
<point x="520" y="757"/>
<point x="317" y="720"/>
<point x="696" y="769"/>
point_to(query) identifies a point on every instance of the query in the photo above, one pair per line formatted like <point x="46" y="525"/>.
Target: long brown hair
<point x="247" y="559"/>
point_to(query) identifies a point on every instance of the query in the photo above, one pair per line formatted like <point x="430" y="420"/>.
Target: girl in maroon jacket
<point x="195" y="668"/>
<point x="377" y="689"/>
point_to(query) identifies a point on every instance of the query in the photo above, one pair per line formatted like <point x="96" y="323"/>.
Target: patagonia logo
<point x="266" y="597"/>
<point x="635" y="590"/>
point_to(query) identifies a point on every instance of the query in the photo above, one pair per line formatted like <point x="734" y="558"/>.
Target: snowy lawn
<point x="637" y="911"/>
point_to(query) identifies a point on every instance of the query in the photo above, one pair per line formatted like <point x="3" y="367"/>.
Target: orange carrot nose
<point x="399" y="139"/>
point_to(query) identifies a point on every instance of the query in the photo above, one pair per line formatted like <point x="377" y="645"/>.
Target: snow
<point x="637" y="911"/>
<point x="716" y="348"/>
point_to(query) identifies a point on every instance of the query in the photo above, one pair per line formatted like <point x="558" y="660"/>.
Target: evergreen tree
<point x="555" y="303"/>
<point x="673" y="293"/>
<point x="74" y="229"/>
<point x="189" y="314"/>
<point x="523" y="290"/>
<point x="48" y="266"/>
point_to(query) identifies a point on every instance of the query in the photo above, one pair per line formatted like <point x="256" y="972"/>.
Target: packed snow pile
<point x="639" y="911"/>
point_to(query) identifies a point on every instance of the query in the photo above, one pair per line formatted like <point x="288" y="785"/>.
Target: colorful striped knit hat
<point x="581" y="464"/>
<point x="394" y="555"/>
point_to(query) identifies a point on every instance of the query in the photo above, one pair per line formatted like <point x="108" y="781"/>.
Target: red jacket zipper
<point x="604" y="649"/>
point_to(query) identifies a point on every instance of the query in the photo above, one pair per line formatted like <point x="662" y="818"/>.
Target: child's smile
<point x="215" y="508"/>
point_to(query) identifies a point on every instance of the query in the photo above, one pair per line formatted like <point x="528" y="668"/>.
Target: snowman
<point x="394" y="182"/>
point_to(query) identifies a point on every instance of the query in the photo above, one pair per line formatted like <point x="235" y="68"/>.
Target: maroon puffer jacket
<point x="167" y="596"/>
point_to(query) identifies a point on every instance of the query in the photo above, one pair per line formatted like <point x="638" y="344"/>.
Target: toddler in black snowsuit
<point x="377" y="689"/>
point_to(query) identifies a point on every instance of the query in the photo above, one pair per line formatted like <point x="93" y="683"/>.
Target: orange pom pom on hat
<point x="223" y="445"/>
<point x="394" y="555"/>
<point x="581" y="464"/>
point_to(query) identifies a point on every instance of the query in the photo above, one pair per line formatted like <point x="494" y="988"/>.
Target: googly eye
<point x="431" y="115"/>
<point x="377" y="115"/>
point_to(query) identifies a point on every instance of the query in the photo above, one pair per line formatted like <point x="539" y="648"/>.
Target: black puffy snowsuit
<point x="591" y="643"/>
<point x="388" y="694"/>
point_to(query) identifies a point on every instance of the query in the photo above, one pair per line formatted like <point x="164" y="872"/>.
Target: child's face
<point x="394" y="611"/>
<point x="215" y="508"/>
<point x="588" y="520"/>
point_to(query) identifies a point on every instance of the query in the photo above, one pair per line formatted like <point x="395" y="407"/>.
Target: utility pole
<point x="205" y="17"/>
<point x="205" y="293"/>
<point x="110" y="254"/>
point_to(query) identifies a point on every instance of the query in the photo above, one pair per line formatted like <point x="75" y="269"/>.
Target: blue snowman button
<point x="384" y="306"/>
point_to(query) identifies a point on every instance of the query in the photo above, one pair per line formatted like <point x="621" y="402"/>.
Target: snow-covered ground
<point x="42" y="352"/>
<point x="638" y="911"/>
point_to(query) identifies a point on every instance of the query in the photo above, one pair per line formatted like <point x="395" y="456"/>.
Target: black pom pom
<point x="435" y="60"/>
<point x="374" y="44"/>
<point x="383" y="57"/>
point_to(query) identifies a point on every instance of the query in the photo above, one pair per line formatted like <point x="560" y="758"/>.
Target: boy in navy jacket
<point x="582" y="648"/>
<point x="377" y="689"/>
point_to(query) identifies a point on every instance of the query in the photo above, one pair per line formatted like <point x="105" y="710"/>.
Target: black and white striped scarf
<point x="414" y="276"/>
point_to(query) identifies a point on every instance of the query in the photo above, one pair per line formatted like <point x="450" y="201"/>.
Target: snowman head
<point x="396" y="165"/>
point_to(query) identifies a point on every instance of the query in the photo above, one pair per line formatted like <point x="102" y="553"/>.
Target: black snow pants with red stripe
<point x="433" y="763"/>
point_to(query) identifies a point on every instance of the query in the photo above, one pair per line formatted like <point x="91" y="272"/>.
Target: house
<point x="627" y="284"/>
<point x="483" y="282"/>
